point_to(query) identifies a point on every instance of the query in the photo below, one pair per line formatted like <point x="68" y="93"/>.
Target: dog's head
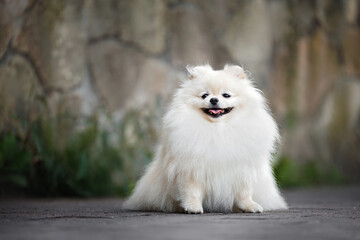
<point x="218" y="94"/>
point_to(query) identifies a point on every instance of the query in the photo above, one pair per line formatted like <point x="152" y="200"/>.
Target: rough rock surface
<point x="187" y="21"/>
<point x="52" y="35"/>
<point x="138" y="78"/>
<point x="19" y="85"/>
<point x="304" y="55"/>
<point x="352" y="51"/>
<point x="248" y="39"/>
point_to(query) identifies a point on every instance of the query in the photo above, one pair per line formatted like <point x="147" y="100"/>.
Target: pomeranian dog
<point x="216" y="148"/>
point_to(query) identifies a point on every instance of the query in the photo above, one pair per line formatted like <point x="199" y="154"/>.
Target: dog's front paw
<point x="194" y="208"/>
<point x="250" y="206"/>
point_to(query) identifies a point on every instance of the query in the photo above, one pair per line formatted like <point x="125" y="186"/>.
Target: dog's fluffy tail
<point x="266" y="192"/>
<point x="143" y="197"/>
<point x="133" y="202"/>
<point x="150" y="193"/>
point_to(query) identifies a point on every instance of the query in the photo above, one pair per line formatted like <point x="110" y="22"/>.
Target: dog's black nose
<point x="214" y="101"/>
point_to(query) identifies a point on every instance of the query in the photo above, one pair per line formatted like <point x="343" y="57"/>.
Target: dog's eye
<point x="225" y="95"/>
<point x="204" y="96"/>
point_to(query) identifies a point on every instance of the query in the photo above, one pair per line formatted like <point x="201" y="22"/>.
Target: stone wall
<point x="119" y="55"/>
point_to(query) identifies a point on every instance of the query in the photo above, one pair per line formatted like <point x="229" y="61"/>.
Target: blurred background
<point x="83" y="85"/>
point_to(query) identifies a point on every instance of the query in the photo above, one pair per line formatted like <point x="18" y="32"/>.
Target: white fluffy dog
<point x="216" y="149"/>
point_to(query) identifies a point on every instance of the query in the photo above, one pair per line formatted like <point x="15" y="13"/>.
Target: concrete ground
<point x="322" y="213"/>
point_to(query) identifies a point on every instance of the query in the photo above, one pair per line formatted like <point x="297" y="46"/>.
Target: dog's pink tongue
<point x="215" y="111"/>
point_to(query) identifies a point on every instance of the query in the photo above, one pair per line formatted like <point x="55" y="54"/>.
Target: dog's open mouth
<point x="217" y="112"/>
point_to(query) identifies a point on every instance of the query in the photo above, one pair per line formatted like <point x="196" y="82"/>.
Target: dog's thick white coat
<point x="212" y="164"/>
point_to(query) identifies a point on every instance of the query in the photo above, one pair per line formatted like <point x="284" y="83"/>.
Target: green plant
<point x="55" y="158"/>
<point x="14" y="161"/>
<point x="292" y="174"/>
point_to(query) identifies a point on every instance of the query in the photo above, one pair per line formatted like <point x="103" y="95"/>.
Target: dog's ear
<point x="195" y="71"/>
<point x="236" y="71"/>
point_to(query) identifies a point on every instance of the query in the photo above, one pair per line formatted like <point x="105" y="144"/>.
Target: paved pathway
<point x="323" y="213"/>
